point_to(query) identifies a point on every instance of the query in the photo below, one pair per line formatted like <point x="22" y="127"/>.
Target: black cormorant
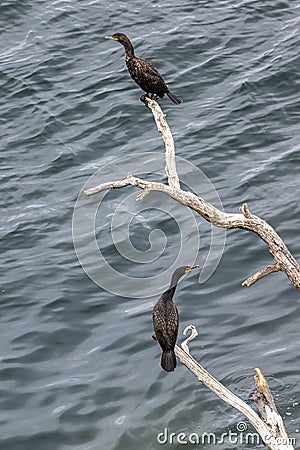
<point x="143" y="72"/>
<point x="165" y="321"/>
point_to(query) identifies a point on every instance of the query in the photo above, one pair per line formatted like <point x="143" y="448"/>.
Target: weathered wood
<point x="164" y="130"/>
<point x="284" y="260"/>
<point x="270" y="425"/>
<point x="271" y="430"/>
<point x="268" y="411"/>
<point x="272" y="268"/>
<point x="246" y="220"/>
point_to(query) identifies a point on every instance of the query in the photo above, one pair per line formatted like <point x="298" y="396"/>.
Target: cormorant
<point x="143" y="72"/>
<point x="165" y="321"/>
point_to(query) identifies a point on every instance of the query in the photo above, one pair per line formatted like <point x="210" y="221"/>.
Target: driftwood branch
<point x="194" y="333"/>
<point x="284" y="260"/>
<point x="267" y="408"/>
<point x="261" y="274"/>
<point x="163" y="128"/>
<point x="269" y="426"/>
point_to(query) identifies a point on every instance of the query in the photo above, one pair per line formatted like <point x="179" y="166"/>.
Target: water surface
<point x="78" y="366"/>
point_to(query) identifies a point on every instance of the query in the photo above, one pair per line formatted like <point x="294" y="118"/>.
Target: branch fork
<point x="269" y="424"/>
<point x="284" y="260"/>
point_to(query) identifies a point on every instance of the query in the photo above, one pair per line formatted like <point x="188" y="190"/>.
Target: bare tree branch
<point x="248" y="221"/>
<point x="268" y="411"/>
<point x="163" y="128"/>
<point x="261" y="274"/>
<point x="194" y="333"/>
<point x="270" y="426"/>
<point x="284" y="260"/>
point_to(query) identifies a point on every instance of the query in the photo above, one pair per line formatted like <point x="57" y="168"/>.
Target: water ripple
<point x="78" y="366"/>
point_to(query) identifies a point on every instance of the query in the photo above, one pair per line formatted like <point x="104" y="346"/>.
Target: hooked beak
<point x="191" y="268"/>
<point x="111" y="37"/>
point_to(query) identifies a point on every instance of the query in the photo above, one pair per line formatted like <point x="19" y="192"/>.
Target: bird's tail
<point x="168" y="361"/>
<point x="174" y="98"/>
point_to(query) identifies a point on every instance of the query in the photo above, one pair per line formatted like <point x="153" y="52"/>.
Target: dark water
<point x="78" y="366"/>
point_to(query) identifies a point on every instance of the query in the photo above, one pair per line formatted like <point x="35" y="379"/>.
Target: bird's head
<point x="180" y="272"/>
<point x="120" y="37"/>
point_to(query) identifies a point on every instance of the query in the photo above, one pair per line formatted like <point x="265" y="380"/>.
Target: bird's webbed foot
<point x="154" y="97"/>
<point x="143" y="99"/>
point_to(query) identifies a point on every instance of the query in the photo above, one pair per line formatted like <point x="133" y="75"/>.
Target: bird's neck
<point x="129" y="51"/>
<point x="175" y="278"/>
<point x="168" y="295"/>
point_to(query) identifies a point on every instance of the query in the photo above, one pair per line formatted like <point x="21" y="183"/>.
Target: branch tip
<point x="245" y="211"/>
<point x="261" y="274"/>
<point x="194" y="334"/>
<point x="142" y="195"/>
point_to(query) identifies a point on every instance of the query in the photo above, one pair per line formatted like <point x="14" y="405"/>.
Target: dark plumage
<point x="143" y="72"/>
<point x="165" y="321"/>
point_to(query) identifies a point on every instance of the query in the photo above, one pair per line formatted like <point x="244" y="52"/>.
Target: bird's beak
<point x="191" y="268"/>
<point x="111" y="37"/>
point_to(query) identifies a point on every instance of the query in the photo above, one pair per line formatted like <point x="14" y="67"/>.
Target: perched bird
<point x="165" y="320"/>
<point x="143" y="72"/>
